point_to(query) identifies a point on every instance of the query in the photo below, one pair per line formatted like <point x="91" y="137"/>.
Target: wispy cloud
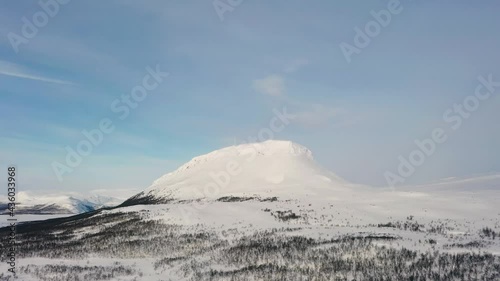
<point x="62" y="131"/>
<point x="273" y="85"/>
<point x="18" y="71"/>
<point x="296" y="65"/>
<point x="307" y="115"/>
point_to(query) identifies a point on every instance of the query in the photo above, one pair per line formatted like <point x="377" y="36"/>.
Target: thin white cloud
<point x="75" y="134"/>
<point x="273" y="85"/>
<point x="62" y="131"/>
<point x="295" y="65"/>
<point x="14" y="70"/>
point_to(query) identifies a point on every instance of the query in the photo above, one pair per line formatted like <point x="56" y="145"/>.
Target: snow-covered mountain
<point x="284" y="172"/>
<point x="48" y="204"/>
<point x="267" y="169"/>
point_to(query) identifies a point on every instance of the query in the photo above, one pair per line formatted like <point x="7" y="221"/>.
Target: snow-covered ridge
<point x="36" y="203"/>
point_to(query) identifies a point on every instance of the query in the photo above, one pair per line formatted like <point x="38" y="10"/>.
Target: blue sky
<point x="227" y="76"/>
